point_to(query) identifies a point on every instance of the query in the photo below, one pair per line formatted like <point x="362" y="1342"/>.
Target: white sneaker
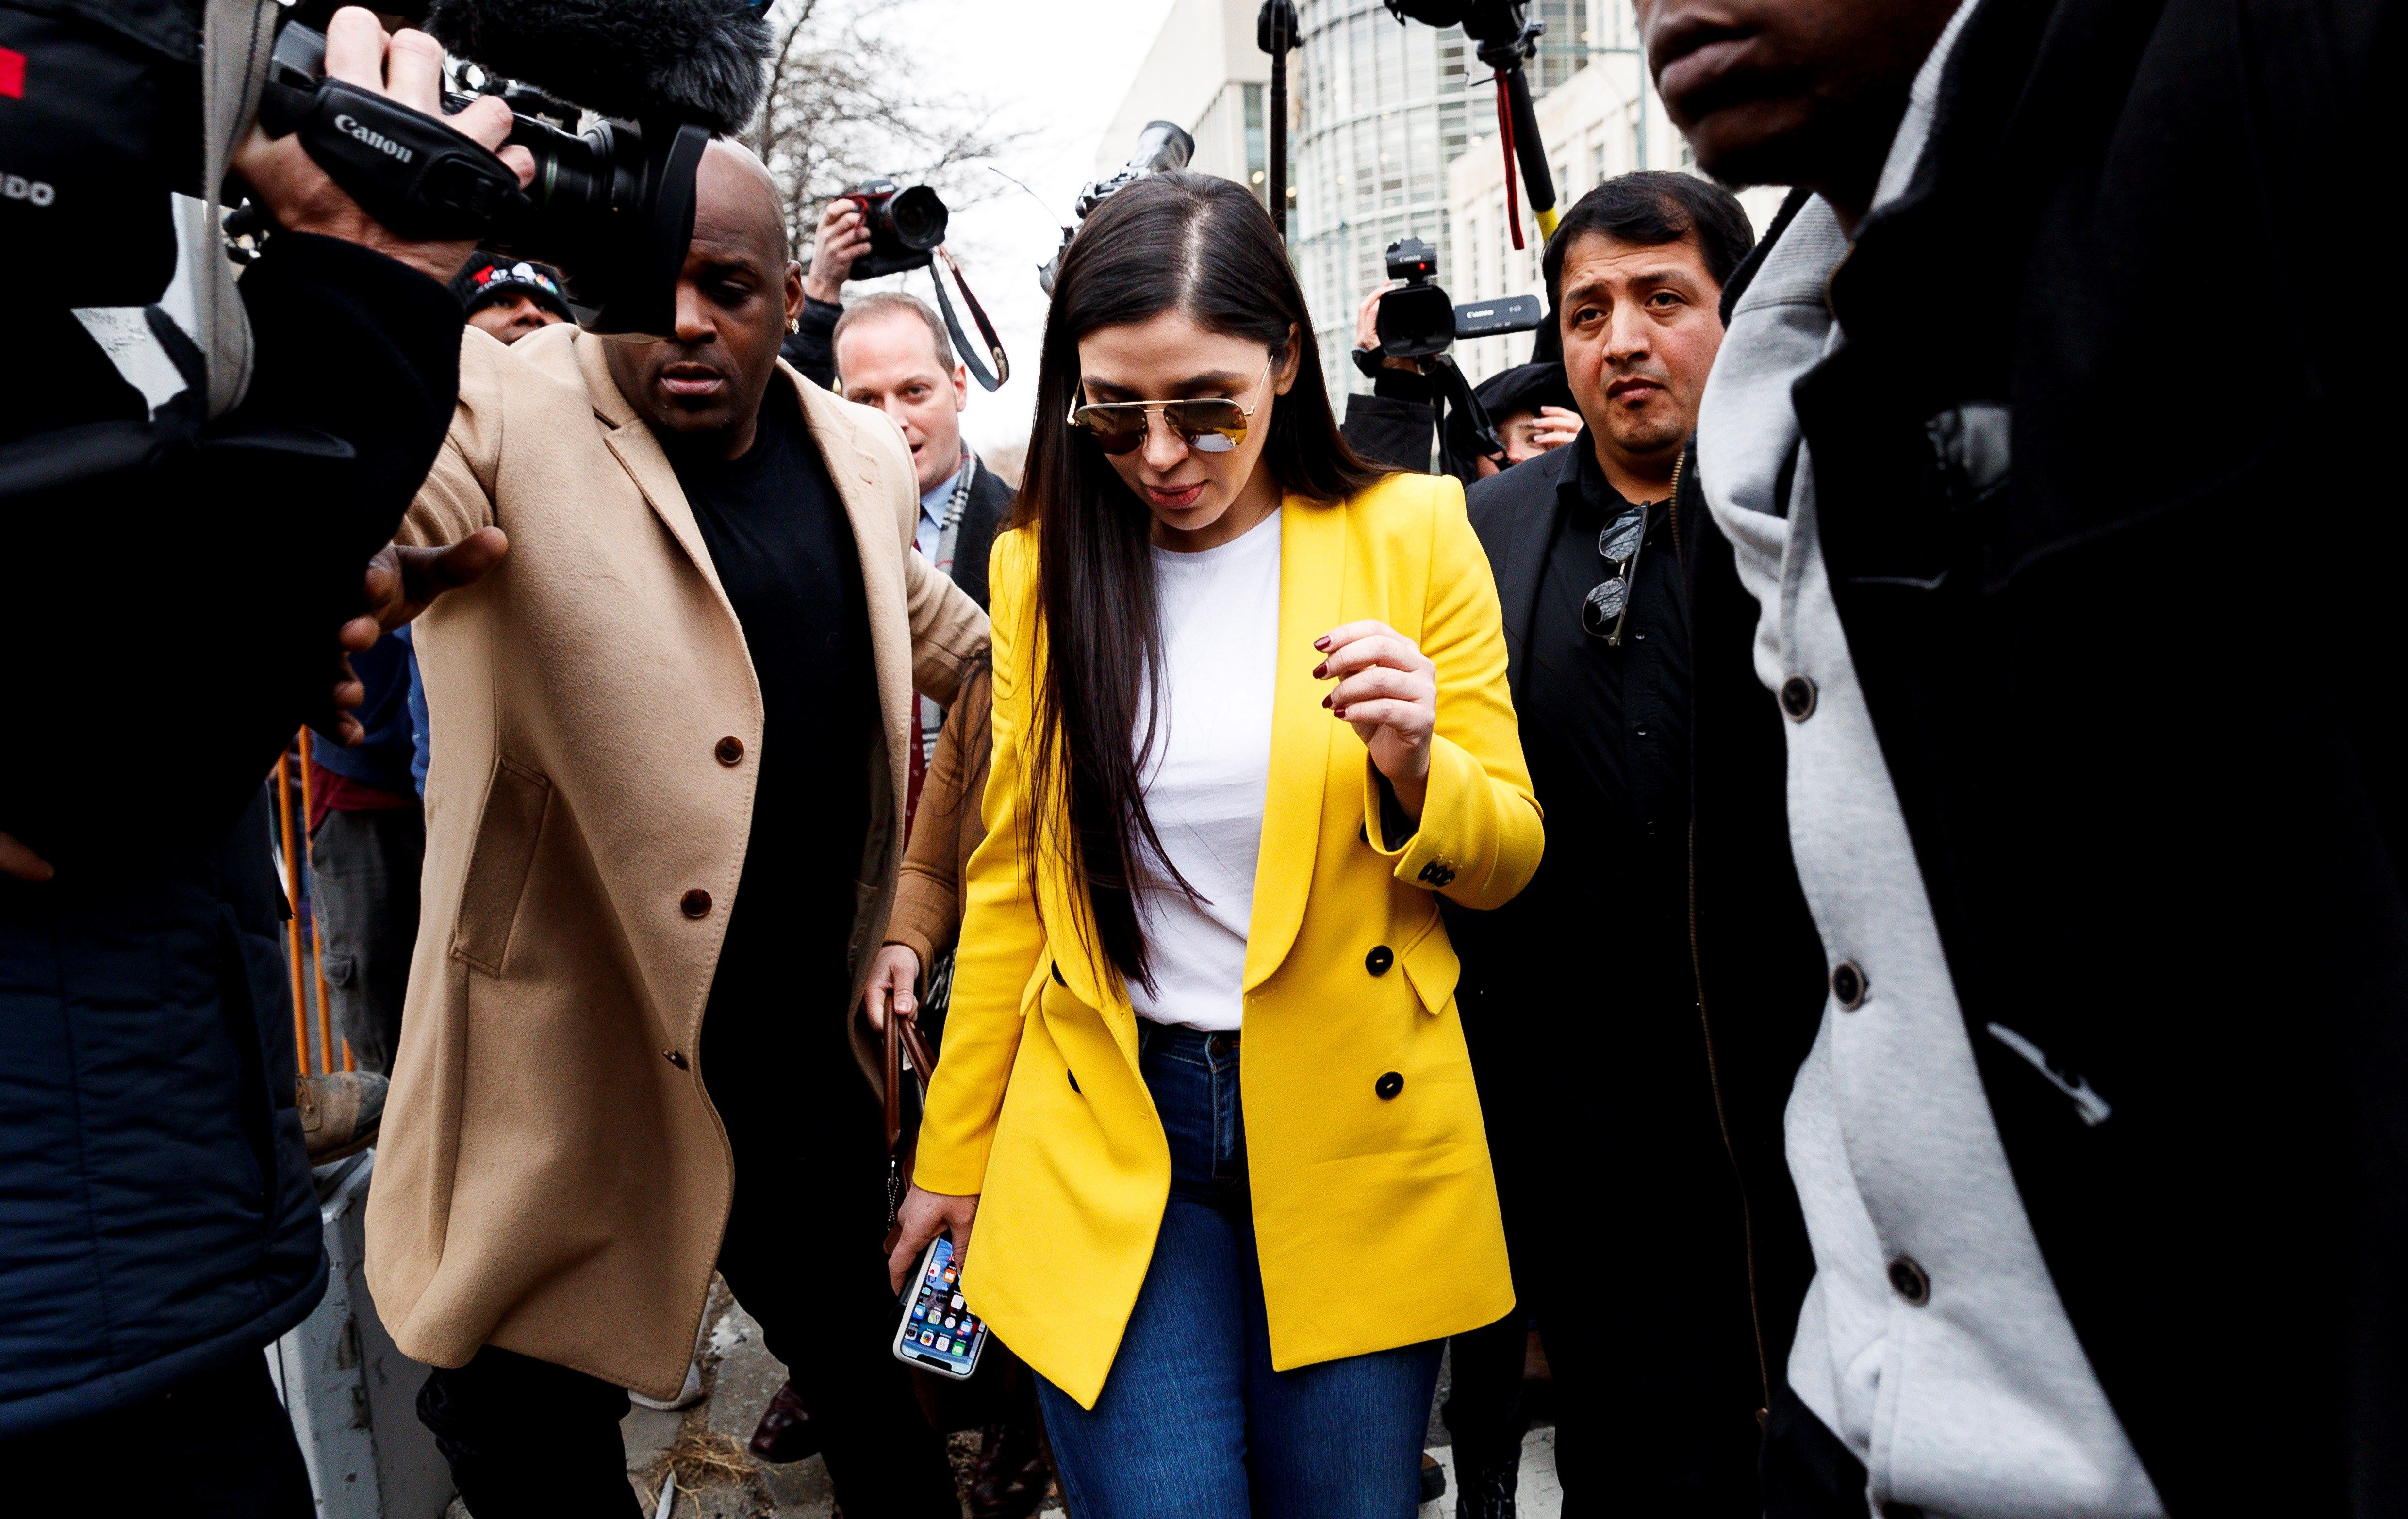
<point x="691" y="1392"/>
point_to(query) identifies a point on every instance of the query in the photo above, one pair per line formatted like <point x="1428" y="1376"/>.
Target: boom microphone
<point x="696" y="61"/>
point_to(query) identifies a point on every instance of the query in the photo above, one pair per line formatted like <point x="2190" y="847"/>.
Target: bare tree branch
<point x="842" y="107"/>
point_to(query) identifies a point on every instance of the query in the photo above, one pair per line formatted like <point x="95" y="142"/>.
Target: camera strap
<point x="988" y="380"/>
<point x="1451" y="392"/>
<point x="236" y="38"/>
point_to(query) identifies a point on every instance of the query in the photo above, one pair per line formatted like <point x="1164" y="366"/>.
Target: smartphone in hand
<point x="939" y="1331"/>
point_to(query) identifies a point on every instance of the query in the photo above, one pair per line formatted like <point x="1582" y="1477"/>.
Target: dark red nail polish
<point x="1321" y="671"/>
<point x="1327" y="700"/>
<point x="1341" y="713"/>
<point x="1322" y="643"/>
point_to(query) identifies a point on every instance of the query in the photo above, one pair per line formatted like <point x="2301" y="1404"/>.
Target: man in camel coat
<point x="670" y="741"/>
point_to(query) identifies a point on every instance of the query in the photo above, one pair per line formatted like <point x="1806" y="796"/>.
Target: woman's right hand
<point x="892" y="975"/>
<point x="924" y="1216"/>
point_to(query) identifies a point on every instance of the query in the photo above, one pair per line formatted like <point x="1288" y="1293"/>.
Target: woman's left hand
<point x="1387" y="690"/>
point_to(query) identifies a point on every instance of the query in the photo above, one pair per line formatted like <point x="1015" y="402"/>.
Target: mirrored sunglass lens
<point x="1604" y="603"/>
<point x="1620" y="539"/>
<point x="1209" y="426"/>
<point x="1115" y="432"/>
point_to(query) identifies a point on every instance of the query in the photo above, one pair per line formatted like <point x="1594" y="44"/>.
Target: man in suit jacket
<point x="892" y="352"/>
<point x="1587" y="574"/>
<point x="664" y="822"/>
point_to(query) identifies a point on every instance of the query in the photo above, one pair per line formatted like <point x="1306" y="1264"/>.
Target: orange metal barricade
<point x="298" y="857"/>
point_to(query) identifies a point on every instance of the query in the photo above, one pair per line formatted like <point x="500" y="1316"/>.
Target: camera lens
<point x="918" y="218"/>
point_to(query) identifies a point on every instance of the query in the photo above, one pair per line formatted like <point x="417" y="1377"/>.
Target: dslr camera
<point x="1418" y="322"/>
<point x="906" y="225"/>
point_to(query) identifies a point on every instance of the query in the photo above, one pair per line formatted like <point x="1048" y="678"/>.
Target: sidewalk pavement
<point x="699" y="1457"/>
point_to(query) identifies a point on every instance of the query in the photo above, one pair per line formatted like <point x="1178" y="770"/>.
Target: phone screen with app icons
<point x="939" y="1331"/>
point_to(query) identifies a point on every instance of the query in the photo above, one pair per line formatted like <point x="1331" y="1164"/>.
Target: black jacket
<point x="163" y="630"/>
<point x="2139" y="706"/>
<point x="811" y="349"/>
<point x="1690" y="1082"/>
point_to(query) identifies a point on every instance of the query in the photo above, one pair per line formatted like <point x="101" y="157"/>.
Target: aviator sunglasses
<point x="1608" y="603"/>
<point x="1209" y="424"/>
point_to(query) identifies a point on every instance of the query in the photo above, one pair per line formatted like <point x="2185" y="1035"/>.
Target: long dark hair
<point x="1169" y="242"/>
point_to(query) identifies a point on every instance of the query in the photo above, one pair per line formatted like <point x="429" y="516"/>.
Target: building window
<point x="1563" y="49"/>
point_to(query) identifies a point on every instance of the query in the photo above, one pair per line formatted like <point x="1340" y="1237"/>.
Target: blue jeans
<point x="1193" y="1423"/>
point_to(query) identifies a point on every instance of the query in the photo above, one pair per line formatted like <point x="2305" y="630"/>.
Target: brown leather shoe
<point x="785" y="1433"/>
<point x="340" y="1111"/>
<point x="1012" y="1478"/>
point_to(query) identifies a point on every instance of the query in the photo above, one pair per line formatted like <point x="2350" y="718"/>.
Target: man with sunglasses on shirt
<point x="1588" y="577"/>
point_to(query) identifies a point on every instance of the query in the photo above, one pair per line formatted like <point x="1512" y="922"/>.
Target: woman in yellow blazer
<point x="1250" y="723"/>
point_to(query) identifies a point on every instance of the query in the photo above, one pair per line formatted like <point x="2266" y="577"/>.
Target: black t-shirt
<point x="784" y="548"/>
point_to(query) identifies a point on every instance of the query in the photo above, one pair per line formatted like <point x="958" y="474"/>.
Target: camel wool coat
<point x="553" y="1178"/>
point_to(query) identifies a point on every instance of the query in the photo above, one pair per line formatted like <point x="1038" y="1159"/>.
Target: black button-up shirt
<point x="1605" y="729"/>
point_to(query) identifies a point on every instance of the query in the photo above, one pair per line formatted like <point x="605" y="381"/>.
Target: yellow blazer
<point x="1375" y="1215"/>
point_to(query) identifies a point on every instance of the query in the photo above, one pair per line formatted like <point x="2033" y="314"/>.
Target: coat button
<point x="1850" y="986"/>
<point x="1910" y="1282"/>
<point x="1379" y="960"/>
<point x="1798" y="699"/>
<point x="729" y="750"/>
<point x="1388" y="1085"/>
<point x="675" y="1057"/>
<point x="695" y="903"/>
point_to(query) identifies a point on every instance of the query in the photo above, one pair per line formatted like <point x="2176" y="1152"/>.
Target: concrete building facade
<point x="1205" y="73"/>
<point x="1392" y="133"/>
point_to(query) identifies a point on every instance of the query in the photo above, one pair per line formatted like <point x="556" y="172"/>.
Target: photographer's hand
<point x="1367" y="329"/>
<point x="843" y="236"/>
<point x="406" y="67"/>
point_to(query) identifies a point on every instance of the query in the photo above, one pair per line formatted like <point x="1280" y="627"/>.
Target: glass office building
<point x="1380" y="110"/>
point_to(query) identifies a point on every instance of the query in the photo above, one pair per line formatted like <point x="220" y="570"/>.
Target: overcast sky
<point x="1056" y="69"/>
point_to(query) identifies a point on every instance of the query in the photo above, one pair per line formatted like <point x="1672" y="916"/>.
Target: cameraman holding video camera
<point x="160" y="1225"/>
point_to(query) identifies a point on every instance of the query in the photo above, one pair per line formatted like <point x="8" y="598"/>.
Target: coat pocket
<point x="1431" y="965"/>
<point x="516" y="799"/>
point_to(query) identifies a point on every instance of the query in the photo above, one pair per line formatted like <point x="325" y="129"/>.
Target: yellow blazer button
<point x="1379" y="960"/>
<point x="1388" y="1085"/>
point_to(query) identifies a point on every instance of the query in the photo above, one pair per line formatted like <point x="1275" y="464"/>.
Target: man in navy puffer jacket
<point x="158" y="1224"/>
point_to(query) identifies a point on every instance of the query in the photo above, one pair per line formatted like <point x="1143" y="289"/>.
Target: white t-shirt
<point x="1208" y="773"/>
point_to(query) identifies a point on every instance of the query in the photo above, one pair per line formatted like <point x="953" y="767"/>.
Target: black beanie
<point x="486" y="278"/>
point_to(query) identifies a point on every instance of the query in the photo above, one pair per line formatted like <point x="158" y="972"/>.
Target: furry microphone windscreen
<point x="699" y="60"/>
